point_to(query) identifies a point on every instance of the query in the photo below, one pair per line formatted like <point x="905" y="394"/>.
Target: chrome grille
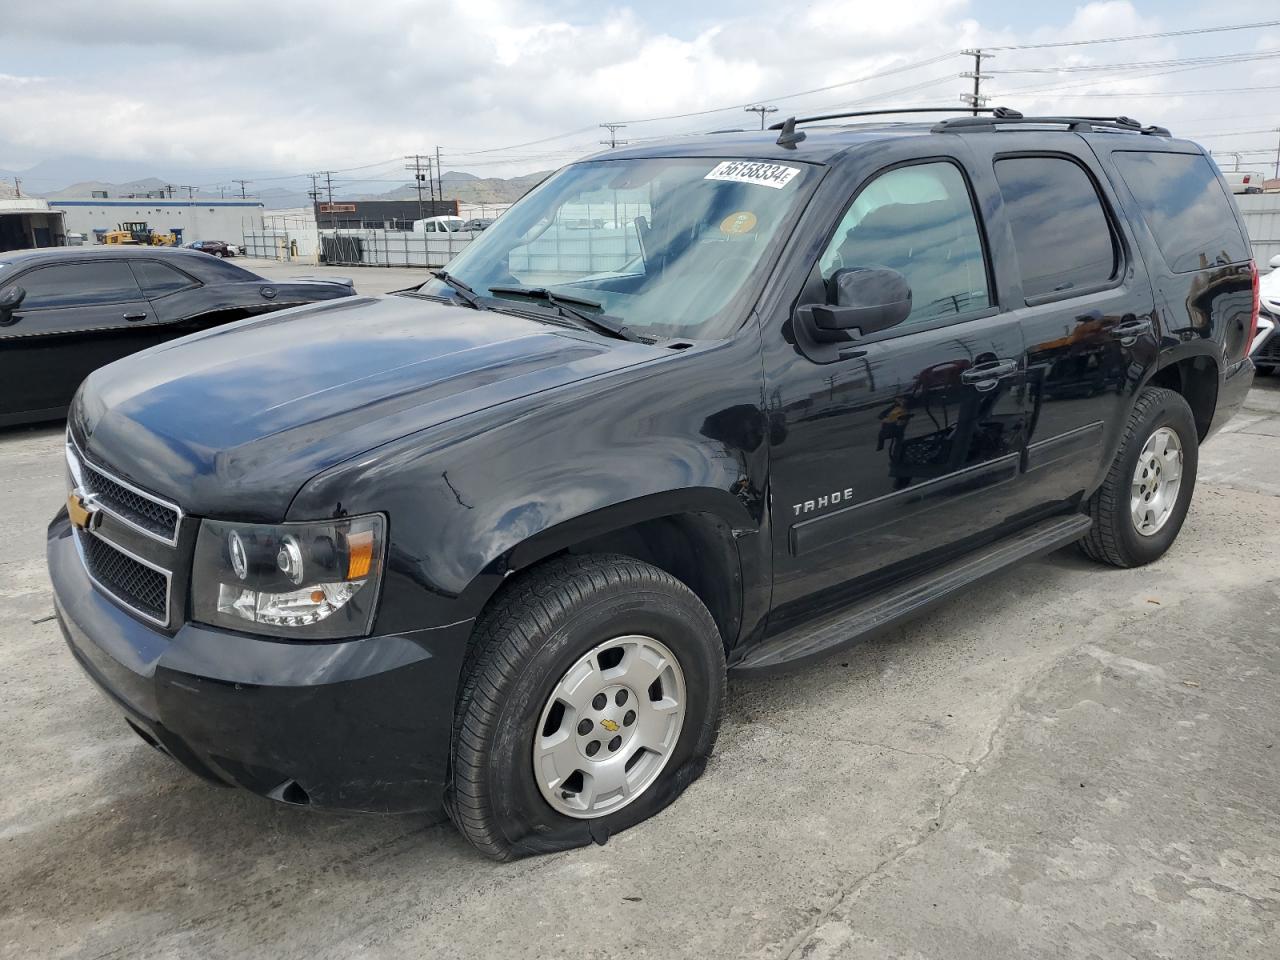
<point x="143" y="511"/>
<point x="137" y="585"/>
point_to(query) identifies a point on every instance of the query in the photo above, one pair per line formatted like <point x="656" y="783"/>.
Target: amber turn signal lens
<point x="359" y="555"/>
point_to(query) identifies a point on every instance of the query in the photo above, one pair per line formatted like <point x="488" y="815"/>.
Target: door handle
<point x="1130" y="330"/>
<point x="985" y="376"/>
<point x="131" y="317"/>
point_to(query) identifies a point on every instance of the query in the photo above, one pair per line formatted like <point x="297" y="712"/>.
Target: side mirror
<point x="1275" y="262"/>
<point x="11" y="298"/>
<point x="863" y="300"/>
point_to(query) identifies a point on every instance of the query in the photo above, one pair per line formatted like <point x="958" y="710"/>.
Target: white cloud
<point x="326" y="83"/>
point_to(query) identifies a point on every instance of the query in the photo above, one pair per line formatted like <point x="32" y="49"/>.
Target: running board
<point x="882" y="611"/>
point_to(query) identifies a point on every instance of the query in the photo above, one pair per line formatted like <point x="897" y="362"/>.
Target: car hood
<point x="232" y="421"/>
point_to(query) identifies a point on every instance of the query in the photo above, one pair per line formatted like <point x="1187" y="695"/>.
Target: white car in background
<point x="1265" y="349"/>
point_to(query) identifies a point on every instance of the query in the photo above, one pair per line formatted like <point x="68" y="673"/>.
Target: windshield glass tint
<point x="669" y="246"/>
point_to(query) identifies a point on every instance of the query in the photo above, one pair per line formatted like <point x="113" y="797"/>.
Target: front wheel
<point x="592" y="698"/>
<point x="1142" y="503"/>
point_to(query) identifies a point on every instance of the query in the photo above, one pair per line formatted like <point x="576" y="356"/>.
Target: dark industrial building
<point x="380" y="214"/>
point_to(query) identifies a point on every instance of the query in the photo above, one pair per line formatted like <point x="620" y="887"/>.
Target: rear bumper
<point x="353" y="725"/>
<point x="1236" y="381"/>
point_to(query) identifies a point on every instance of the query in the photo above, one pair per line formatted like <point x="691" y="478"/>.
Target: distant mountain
<point x="466" y="188"/>
<point x="77" y="177"/>
<point x="86" y="188"/>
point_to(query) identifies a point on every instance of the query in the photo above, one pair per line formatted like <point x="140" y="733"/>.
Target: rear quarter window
<point x="1185" y="208"/>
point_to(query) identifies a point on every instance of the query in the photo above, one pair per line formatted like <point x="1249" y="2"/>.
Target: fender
<point x="475" y="499"/>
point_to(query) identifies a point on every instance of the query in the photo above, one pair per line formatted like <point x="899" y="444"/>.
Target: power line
<point x="243" y="184"/>
<point x="1140" y="64"/>
<point x="1140" y="36"/>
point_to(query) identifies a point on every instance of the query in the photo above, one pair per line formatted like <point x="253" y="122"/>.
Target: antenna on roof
<point x="790" y="136"/>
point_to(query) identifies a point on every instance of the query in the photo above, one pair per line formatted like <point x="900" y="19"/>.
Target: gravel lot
<point x="1068" y="762"/>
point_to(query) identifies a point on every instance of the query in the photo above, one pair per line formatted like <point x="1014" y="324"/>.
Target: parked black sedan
<point x="66" y="311"/>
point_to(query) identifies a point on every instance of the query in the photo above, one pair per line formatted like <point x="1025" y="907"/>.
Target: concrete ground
<point x="1067" y="762"/>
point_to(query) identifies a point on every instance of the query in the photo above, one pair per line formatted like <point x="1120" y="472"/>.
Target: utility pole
<point x="418" y="177"/>
<point x="168" y="190"/>
<point x="613" y="129"/>
<point x="761" y="109"/>
<point x="328" y="183"/>
<point x="975" y="99"/>
<point x="242" y="186"/>
<point x="439" y="176"/>
<point x="1278" y="154"/>
<point x="222" y="192"/>
<point x="17" y="186"/>
<point x="191" y="191"/>
<point x="1235" y="157"/>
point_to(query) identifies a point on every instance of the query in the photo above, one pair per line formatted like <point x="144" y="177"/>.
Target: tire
<point x="560" y="615"/>
<point x="1114" y="537"/>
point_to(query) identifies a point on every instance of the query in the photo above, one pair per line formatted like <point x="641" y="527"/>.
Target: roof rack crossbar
<point x="1074" y="124"/>
<point x="867" y="113"/>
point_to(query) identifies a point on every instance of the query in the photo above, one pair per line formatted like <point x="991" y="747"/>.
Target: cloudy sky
<point x="273" y="89"/>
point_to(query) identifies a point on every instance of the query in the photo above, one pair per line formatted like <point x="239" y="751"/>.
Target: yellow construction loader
<point x="139" y="234"/>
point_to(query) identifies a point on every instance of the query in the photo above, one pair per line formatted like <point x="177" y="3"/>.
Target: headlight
<point x="307" y="580"/>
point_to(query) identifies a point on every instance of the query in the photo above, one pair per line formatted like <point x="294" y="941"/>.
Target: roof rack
<point x="869" y="113"/>
<point x="1003" y="116"/>
<point x="974" y="122"/>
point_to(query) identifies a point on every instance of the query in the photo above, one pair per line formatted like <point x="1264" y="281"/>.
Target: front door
<point x="74" y="318"/>
<point x="904" y="445"/>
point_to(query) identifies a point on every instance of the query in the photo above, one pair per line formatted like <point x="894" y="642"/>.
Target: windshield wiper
<point x="563" y="302"/>
<point x="465" y="293"/>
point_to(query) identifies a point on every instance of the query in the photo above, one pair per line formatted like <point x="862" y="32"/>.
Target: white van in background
<point x="439" y="225"/>
<point x="1245" y="181"/>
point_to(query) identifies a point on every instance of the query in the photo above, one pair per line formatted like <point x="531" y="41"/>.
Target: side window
<point x="1185" y="208"/>
<point x="1063" y="237"/>
<point x="918" y="220"/>
<point x="157" y="279"/>
<point x="79" y="284"/>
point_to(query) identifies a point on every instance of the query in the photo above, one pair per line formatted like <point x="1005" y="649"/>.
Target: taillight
<point x="1257" y="305"/>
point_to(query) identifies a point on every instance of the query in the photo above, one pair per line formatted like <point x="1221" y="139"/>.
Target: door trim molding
<point x="815" y="533"/>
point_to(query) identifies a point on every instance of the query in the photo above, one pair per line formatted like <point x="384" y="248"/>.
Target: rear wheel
<point x="592" y="698"/>
<point x="1142" y="503"/>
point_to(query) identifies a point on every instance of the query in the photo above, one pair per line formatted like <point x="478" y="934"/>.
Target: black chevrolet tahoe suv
<point x="491" y="545"/>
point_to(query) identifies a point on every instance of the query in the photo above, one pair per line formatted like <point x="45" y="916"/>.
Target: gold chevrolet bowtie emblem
<point x="610" y="725"/>
<point x="82" y="512"/>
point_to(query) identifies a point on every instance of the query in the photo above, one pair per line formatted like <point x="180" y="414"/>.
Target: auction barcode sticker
<point x="776" y="175"/>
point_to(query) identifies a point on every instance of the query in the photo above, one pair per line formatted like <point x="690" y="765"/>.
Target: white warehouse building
<point x="196" y="219"/>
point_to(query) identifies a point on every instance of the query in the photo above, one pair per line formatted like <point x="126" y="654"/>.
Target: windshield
<point x="669" y="246"/>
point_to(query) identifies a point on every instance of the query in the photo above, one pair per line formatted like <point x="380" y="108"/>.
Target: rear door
<point x="75" y="318"/>
<point x="164" y="287"/>
<point x="1073" y="277"/>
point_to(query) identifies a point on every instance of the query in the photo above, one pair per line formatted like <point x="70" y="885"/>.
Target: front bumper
<point x="353" y="725"/>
